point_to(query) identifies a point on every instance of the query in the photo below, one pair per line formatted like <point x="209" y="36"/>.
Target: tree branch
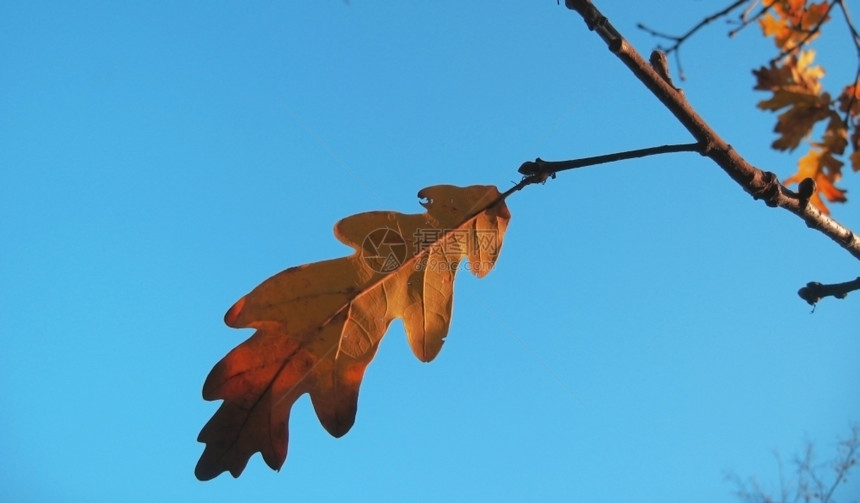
<point x="815" y="291"/>
<point x="547" y="169"/>
<point x="760" y="184"/>
<point x="539" y="171"/>
<point x="747" y="20"/>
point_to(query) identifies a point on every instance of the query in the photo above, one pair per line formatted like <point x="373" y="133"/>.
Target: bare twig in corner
<point x="810" y="481"/>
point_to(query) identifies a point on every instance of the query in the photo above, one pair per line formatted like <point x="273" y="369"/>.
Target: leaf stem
<point x="539" y="171"/>
<point x="543" y="168"/>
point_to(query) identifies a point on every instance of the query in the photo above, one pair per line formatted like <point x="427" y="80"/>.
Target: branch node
<point x="708" y="148"/>
<point x="769" y="189"/>
<point x="809" y="293"/>
<point x="537" y="171"/>
<point x="805" y="189"/>
<point x="596" y="21"/>
<point x="660" y="64"/>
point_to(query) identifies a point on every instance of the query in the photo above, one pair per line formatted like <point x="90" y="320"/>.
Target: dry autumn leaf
<point x="795" y="85"/>
<point x="823" y="169"/>
<point x="792" y="22"/>
<point x="319" y="325"/>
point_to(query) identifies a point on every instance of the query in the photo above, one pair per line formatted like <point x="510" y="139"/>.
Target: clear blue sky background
<point x="640" y="336"/>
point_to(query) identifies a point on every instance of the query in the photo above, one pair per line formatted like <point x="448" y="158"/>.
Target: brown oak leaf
<point x="319" y="325"/>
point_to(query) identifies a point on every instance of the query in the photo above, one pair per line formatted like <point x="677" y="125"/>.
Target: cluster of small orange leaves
<point x="792" y="23"/>
<point x="796" y="90"/>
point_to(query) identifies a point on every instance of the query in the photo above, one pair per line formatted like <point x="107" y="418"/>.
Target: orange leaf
<point x="319" y="325"/>
<point x="791" y="22"/>
<point x="797" y="122"/>
<point x="795" y="85"/>
<point x="830" y="191"/>
<point x="825" y="170"/>
<point x="773" y="26"/>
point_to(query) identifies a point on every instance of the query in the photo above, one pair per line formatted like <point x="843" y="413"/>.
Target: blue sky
<point x="639" y="338"/>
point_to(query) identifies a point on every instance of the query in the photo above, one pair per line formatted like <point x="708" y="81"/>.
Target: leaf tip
<point x="203" y="473"/>
<point x="231" y="318"/>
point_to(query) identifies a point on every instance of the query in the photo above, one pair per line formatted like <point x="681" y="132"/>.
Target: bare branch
<point x="855" y="36"/>
<point x="539" y="171"/>
<point x="747" y="20"/>
<point x="808" y="482"/>
<point x="847" y="459"/>
<point x="547" y="169"/>
<point x="851" y="27"/>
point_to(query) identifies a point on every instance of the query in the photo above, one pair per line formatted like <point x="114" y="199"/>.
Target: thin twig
<point x="844" y="465"/>
<point x="676" y="47"/>
<point x="853" y="29"/>
<point x="847" y="118"/>
<point x="539" y="171"/>
<point x="855" y="36"/>
<point x="545" y="169"/>
<point x="704" y="22"/>
<point x="744" y="15"/>
<point x="746" y="21"/>
<point x="806" y="484"/>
